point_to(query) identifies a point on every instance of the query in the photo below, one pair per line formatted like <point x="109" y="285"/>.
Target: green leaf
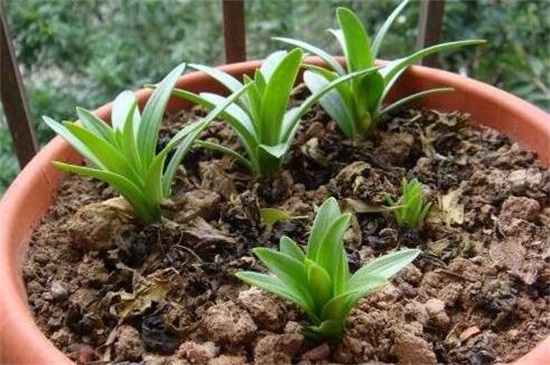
<point x="125" y="187"/>
<point x="242" y="127"/>
<point x="391" y="70"/>
<point x="234" y="112"/>
<point x="357" y="48"/>
<point x="291" y="248"/>
<point x="95" y="125"/>
<point x="331" y="61"/>
<point x="384" y="267"/>
<point x="73" y="140"/>
<point x="331" y="248"/>
<point x="277" y="151"/>
<point x="328" y="329"/>
<point x="333" y="103"/>
<point x="276" y="96"/>
<point x="275" y="286"/>
<point x="292" y="117"/>
<point x="371" y="89"/>
<point x="320" y="283"/>
<point x="289" y="270"/>
<point x="154" y="113"/>
<point x="124" y="107"/>
<point x="270" y="216"/>
<point x="270" y="64"/>
<point x="224" y="78"/>
<point x="108" y="155"/>
<point x="339" y="307"/>
<point x="128" y="140"/>
<point x="328" y="213"/>
<point x="412" y="97"/>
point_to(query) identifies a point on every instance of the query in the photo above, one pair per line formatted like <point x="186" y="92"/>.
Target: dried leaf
<point x="146" y="290"/>
<point x="359" y="206"/>
<point x="451" y="211"/>
<point x="270" y="216"/>
<point x="469" y="332"/>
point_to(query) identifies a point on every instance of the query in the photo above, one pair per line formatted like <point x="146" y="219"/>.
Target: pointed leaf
<point x="124" y="105"/>
<point x="331" y="61"/>
<point x="109" y="156"/>
<point x="154" y="113"/>
<point x="331" y="249"/>
<point x="320" y="283"/>
<point x="339" y="307"/>
<point x="222" y="77"/>
<point x="271" y="63"/>
<point x="289" y="270"/>
<point x="276" y="96"/>
<point x="391" y="70"/>
<point x="73" y="141"/>
<point x="358" y="48"/>
<point x="291" y="248"/>
<point x="144" y="208"/>
<point x="333" y="103"/>
<point x="274" y="285"/>
<point x="95" y="125"/>
<point x="327" y="213"/>
<point x="385" y="267"/>
<point x="412" y="97"/>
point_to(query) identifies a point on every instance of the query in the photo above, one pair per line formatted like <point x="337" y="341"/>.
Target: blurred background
<point x="84" y="52"/>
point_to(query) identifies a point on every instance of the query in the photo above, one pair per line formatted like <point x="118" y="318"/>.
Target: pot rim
<point x="18" y="218"/>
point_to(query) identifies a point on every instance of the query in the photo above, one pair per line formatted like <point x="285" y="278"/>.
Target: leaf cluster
<point x="357" y="105"/>
<point x="260" y="117"/>
<point x="318" y="280"/>
<point x="410" y="210"/>
<point x="124" y="155"/>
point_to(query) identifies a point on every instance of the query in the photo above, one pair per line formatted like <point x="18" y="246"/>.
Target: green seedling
<point x="124" y="154"/>
<point x="260" y="116"/>
<point x="318" y="280"/>
<point x="357" y="105"/>
<point x="410" y="210"/>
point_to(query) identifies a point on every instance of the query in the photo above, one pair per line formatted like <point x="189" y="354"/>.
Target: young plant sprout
<point x="319" y="280"/>
<point x="124" y="154"/>
<point x="260" y="116"/>
<point x="357" y="105"/>
<point x="410" y="210"/>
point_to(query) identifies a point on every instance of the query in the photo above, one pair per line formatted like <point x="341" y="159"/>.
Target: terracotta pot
<point x="28" y="198"/>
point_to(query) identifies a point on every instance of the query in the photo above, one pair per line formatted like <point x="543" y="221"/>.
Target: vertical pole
<point x="430" y="24"/>
<point x="234" y="30"/>
<point x="13" y="98"/>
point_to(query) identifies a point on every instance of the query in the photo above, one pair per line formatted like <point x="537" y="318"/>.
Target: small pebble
<point x="58" y="290"/>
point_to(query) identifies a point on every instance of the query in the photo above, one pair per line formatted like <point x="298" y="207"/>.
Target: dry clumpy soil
<point x="107" y="289"/>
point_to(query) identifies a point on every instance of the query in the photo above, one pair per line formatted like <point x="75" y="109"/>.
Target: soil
<point x="107" y="289"/>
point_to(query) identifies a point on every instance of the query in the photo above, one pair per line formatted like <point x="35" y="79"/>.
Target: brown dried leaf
<point x="359" y="206"/>
<point x="469" y="332"/>
<point x="450" y="210"/>
<point x="146" y="290"/>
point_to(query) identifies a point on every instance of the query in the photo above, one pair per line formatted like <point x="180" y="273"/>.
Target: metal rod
<point x="430" y="24"/>
<point x="234" y="30"/>
<point x="14" y="99"/>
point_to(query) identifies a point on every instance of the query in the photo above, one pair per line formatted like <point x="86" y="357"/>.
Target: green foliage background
<point x="75" y="52"/>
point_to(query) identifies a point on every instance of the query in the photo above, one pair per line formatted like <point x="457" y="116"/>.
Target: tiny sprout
<point x="410" y="210"/>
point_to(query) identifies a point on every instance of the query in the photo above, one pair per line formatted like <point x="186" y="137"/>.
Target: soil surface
<point x="107" y="289"/>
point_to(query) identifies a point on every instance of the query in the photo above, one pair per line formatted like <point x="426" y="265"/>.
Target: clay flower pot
<point x="30" y="195"/>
